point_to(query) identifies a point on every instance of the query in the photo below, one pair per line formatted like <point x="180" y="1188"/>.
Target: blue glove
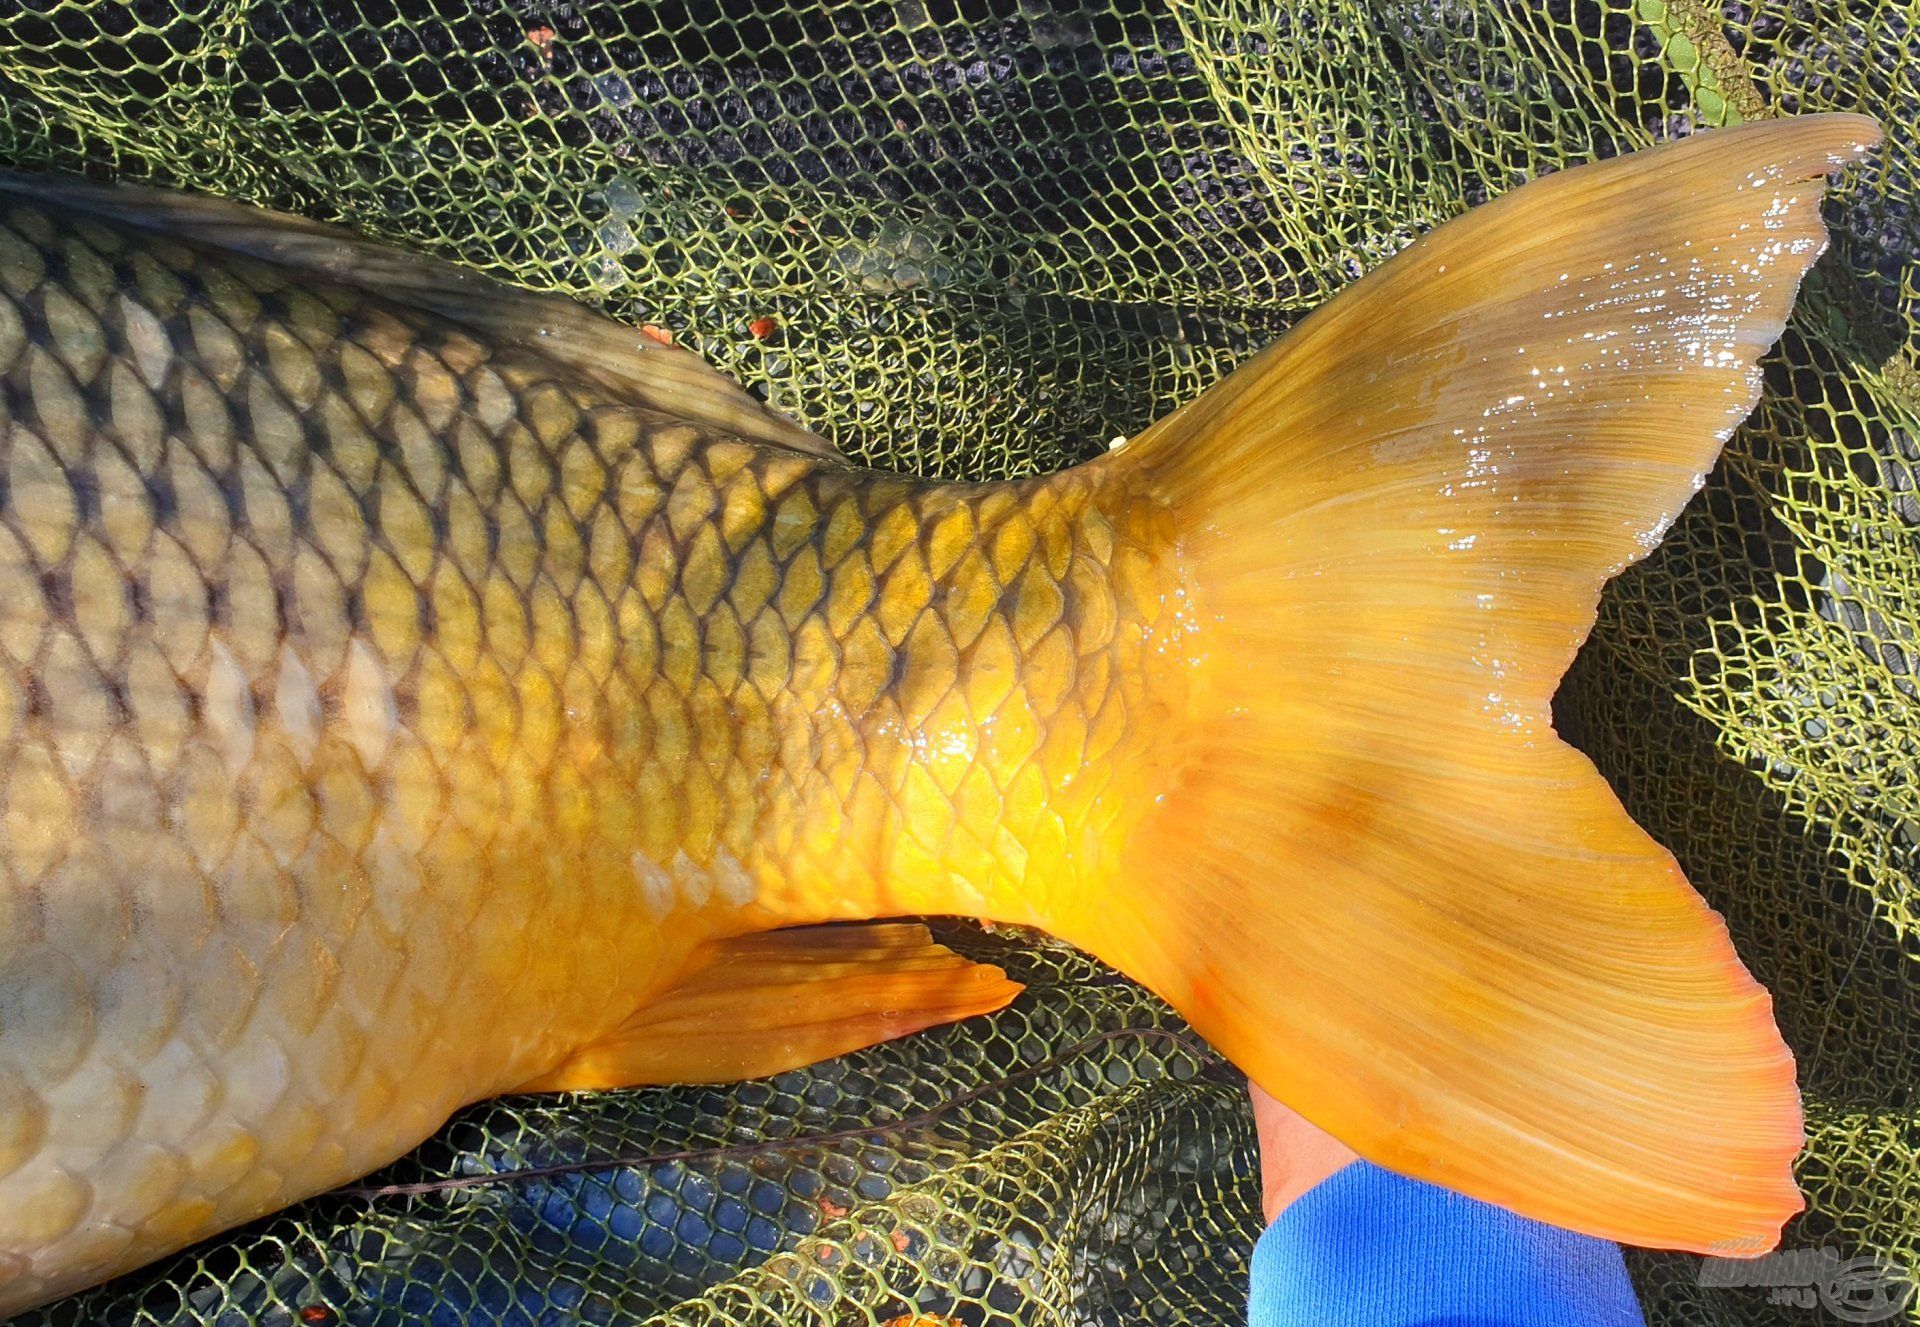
<point x="1369" y="1248"/>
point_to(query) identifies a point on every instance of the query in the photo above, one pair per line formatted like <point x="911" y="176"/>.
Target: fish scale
<point x="387" y="716"/>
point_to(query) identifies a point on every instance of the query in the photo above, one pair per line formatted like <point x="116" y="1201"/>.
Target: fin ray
<point x="1382" y="884"/>
<point x="762" y="1004"/>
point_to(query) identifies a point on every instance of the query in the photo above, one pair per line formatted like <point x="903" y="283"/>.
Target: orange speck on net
<point x="542" y="38"/>
<point x="655" y="332"/>
<point x="830" y="1208"/>
<point x="764" y="327"/>
<point x="921" y="1320"/>
<point x="318" y="1314"/>
<point x="900" y="1241"/>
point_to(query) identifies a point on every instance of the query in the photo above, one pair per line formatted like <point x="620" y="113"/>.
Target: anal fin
<point x="762" y="1004"/>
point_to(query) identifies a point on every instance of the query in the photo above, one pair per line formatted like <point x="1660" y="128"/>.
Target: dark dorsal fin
<point x="618" y="359"/>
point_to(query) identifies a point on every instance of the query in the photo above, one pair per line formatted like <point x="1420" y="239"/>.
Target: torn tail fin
<point x="1381" y="884"/>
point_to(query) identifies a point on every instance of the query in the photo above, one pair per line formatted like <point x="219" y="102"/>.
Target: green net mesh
<point x="981" y="238"/>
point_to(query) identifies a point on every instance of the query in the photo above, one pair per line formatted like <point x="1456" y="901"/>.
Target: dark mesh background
<point x="984" y="238"/>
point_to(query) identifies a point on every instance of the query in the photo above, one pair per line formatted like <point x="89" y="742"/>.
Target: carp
<point x="414" y="690"/>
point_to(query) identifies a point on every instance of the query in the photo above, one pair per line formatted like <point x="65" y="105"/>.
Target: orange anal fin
<point x="762" y="1004"/>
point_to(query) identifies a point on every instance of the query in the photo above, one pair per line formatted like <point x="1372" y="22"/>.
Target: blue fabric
<point x="1369" y="1248"/>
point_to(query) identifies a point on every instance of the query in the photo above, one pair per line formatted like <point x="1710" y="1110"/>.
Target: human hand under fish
<point x="414" y="690"/>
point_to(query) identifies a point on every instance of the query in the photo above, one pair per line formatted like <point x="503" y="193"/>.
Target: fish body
<point x="404" y="702"/>
<point x="390" y="715"/>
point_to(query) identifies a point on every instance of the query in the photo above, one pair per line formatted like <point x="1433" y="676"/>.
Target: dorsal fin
<point x="618" y="359"/>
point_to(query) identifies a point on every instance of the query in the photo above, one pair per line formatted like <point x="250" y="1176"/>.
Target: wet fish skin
<point x="384" y="716"/>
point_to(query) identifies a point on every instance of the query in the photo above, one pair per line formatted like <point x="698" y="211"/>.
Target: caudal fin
<point x="1381" y="884"/>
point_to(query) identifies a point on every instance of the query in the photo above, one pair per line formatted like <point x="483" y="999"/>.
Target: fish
<point x="414" y="689"/>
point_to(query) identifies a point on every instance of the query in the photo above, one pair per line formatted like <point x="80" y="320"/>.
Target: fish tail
<point x="1378" y="881"/>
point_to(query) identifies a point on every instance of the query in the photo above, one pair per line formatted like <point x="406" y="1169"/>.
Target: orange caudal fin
<point x="1381" y="884"/>
<point x="762" y="1004"/>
